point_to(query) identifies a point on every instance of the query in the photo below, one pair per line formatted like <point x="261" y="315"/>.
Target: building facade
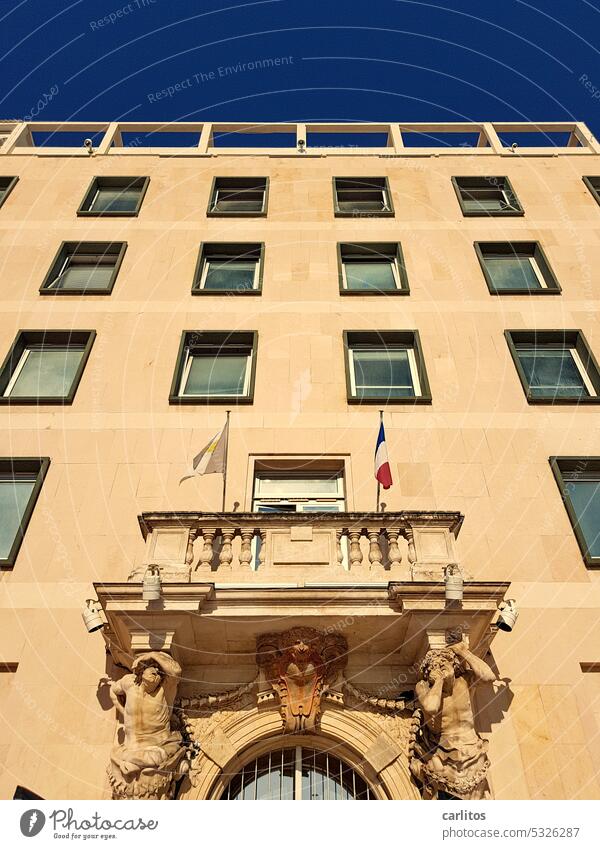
<point x="293" y="635"/>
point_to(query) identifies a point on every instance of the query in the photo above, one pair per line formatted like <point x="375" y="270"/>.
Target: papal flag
<point x="213" y="457"/>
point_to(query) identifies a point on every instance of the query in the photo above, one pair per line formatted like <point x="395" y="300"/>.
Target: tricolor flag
<point x="383" y="472"/>
<point x="213" y="457"/>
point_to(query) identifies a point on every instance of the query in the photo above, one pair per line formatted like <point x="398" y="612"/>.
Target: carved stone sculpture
<point x="151" y="753"/>
<point x="299" y="664"/>
<point x="447" y="754"/>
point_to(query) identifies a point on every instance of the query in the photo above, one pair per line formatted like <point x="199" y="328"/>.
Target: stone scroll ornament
<point x="299" y="664"/>
<point x="448" y="757"/>
<point x="151" y="754"/>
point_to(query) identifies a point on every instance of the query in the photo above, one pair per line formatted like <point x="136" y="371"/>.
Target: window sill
<point x="78" y="292"/>
<point x="359" y="214"/>
<point x="521" y="292"/>
<point x="229" y="399"/>
<point x="558" y="402"/>
<point x="219" y="293"/>
<point x="38" y="402"/>
<point x="370" y="292"/>
<point x="509" y="213"/>
<point x="421" y="399"/>
<point x="85" y="213"/>
<point x="236" y="214"/>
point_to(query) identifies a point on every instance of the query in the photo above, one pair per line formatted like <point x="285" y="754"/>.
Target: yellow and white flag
<point x="213" y="457"/>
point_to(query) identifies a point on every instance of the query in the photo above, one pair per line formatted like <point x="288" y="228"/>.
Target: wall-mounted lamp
<point x="453" y="580"/>
<point x="151" y="583"/>
<point x="301" y="146"/>
<point x="92" y="615"/>
<point x="508" y="615"/>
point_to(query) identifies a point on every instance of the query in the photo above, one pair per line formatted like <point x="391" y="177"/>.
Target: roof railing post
<point x="586" y="137"/>
<point x="205" y="138"/>
<point x="487" y="128"/>
<point x="395" y="136"/>
<point x="20" y="136"/>
<point x="111" y="135"/>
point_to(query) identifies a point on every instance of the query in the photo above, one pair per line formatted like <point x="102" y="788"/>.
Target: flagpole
<point x="378" y="482"/>
<point x="225" y="464"/>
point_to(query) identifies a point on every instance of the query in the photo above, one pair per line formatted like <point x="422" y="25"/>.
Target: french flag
<point x="382" y="466"/>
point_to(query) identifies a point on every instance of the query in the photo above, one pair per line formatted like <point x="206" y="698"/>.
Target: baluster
<point x="189" y="555"/>
<point x="338" y="548"/>
<point x="246" y="551"/>
<point x="395" y="554"/>
<point x="226" y="555"/>
<point x="375" y="555"/>
<point x="206" y="555"/>
<point x="355" y="550"/>
<point x="412" y="555"/>
<point x="261" y="541"/>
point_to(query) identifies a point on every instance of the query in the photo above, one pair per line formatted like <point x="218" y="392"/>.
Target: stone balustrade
<point x="410" y="545"/>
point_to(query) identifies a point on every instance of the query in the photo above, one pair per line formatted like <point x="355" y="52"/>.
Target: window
<point x="516" y="268"/>
<point x="486" y="196"/>
<point x="7" y="184"/>
<point x="215" y="367"/>
<point x="578" y="480"/>
<point x="593" y="184"/>
<point x="230" y="268"/>
<point x="362" y="196"/>
<point x="385" y="366"/>
<point x="239" y="196"/>
<point x="372" y="268"/>
<point x="555" y="366"/>
<point x="84" y="268"/>
<point x="114" y="196"/>
<point x="288" y="487"/>
<point x="20" y="484"/>
<point x="45" y="366"/>
<point x="299" y="774"/>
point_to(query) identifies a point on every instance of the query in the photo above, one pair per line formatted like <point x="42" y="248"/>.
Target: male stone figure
<point x="448" y="755"/>
<point x="144" y="764"/>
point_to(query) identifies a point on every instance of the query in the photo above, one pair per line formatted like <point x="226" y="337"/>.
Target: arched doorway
<point x="297" y="773"/>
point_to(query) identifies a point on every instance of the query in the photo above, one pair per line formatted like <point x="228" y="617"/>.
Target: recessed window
<point x="385" y="366"/>
<point x="84" y="268"/>
<point x="45" y="366"/>
<point x="593" y="184"/>
<point x="486" y="196"/>
<point x="215" y="367"/>
<point x="239" y="196"/>
<point x="231" y="268"/>
<point x="7" y="184"/>
<point x="292" y="486"/>
<point x="555" y="366"/>
<point x="372" y="268"/>
<point x="578" y="479"/>
<point x="20" y="483"/>
<point x="362" y="196"/>
<point x="516" y="268"/>
<point x="114" y="196"/>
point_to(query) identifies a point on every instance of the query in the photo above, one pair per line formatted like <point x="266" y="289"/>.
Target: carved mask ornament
<point x="299" y="664"/>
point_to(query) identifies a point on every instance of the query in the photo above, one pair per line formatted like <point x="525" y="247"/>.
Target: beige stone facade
<point x="472" y="478"/>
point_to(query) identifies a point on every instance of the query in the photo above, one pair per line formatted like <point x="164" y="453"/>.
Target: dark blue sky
<point x="373" y="60"/>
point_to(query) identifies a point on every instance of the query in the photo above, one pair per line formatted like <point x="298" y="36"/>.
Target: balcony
<point x="292" y="547"/>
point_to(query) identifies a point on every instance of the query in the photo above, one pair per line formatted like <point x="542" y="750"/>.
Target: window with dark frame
<point x="114" y="196"/>
<point x="7" y="184"/>
<point x="21" y="480"/>
<point x="486" y="196"/>
<point x="578" y="480"/>
<point x="356" y="196"/>
<point x="372" y="268"/>
<point x="593" y="184"/>
<point x="215" y="367"/>
<point x="84" y="268"/>
<point x="555" y="366"/>
<point x="385" y="366"/>
<point x="306" y="486"/>
<point x="238" y="196"/>
<point x="516" y="268"/>
<point x="45" y="366"/>
<point x="229" y="268"/>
